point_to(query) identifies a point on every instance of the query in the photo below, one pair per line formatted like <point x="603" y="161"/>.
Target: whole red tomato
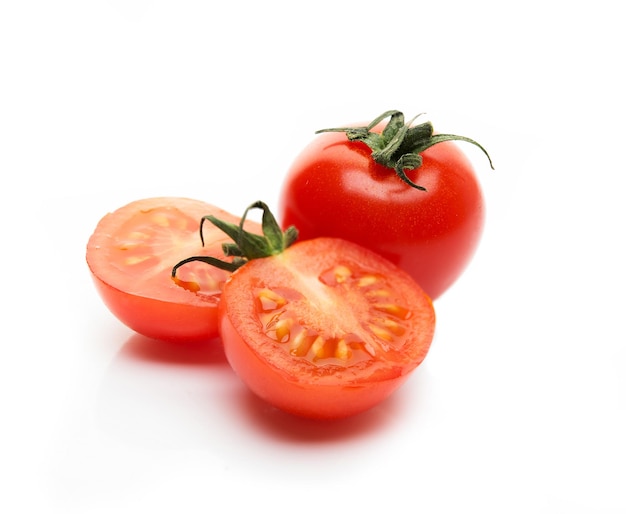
<point x="408" y="194"/>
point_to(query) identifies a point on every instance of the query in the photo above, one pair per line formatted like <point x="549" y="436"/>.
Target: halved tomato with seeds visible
<point x="325" y="329"/>
<point x="131" y="253"/>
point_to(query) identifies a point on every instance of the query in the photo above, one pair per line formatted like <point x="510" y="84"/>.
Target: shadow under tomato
<point x="142" y="348"/>
<point x="287" y="427"/>
<point x="253" y="411"/>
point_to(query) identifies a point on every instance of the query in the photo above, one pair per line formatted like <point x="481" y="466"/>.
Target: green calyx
<point x="399" y="145"/>
<point x="246" y="245"/>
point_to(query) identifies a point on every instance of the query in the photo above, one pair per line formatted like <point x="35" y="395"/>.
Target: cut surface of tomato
<point x="326" y="329"/>
<point x="131" y="253"/>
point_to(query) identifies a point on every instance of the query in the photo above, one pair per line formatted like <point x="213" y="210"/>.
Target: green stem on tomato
<point x="246" y="245"/>
<point x="399" y="145"/>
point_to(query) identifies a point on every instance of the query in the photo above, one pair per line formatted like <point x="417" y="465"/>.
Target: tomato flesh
<point x="131" y="253"/>
<point x="326" y="329"/>
<point x="335" y="189"/>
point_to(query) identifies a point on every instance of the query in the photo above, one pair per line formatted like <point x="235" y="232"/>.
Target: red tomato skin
<point x="291" y="386"/>
<point x="156" y="319"/>
<point x="276" y="387"/>
<point x="335" y="189"/>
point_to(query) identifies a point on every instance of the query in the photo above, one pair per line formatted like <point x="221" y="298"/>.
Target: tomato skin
<point x="296" y="384"/>
<point x="276" y="387"/>
<point x="142" y="295"/>
<point x="335" y="189"/>
<point x="163" y="320"/>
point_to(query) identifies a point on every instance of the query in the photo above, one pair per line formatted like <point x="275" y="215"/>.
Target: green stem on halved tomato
<point x="399" y="145"/>
<point x="246" y="245"/>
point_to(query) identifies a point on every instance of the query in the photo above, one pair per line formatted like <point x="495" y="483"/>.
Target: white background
<point x="521" y="404"/>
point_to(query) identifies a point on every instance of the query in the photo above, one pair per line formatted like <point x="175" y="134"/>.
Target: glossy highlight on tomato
<point x="335" y="188"/>
<point x="131" y="253"/>
<point x="325" y="329"/>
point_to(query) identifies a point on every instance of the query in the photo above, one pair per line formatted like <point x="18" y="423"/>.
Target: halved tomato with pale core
<point x="325" y="329"/>
<point x="131" y="253"/>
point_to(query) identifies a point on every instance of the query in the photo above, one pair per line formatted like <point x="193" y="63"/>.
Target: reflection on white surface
<point x="161" y="411"/>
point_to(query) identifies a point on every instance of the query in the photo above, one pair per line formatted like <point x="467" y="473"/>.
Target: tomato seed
<point x="318" y="347"/>
<point x="270" y="300"/>
<point x="393" y="309"/>
<point x="192" y="286"/>
<point x="342" y="351"/>
<point x="381" y="332"/>
<point x="367" y="280"/>
<point x="342" y="273"/>
<point x="133" y="240"/>
<point x="382" y="293"/>
<point x="300" y="344"/>
<point x="134" y="260"/>
<point x="160" y="219"/>
<point x="393" y="326"/>
<point x="282" y="330"/>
